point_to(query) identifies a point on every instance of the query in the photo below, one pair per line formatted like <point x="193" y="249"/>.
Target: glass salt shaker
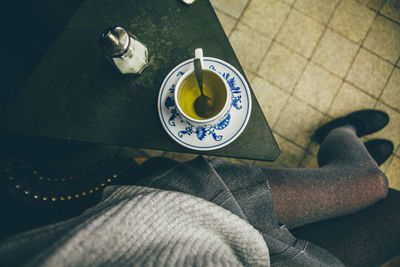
<point x="123" y="50"/>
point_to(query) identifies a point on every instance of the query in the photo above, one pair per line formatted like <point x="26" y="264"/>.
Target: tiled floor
<point x="309" y="61"/>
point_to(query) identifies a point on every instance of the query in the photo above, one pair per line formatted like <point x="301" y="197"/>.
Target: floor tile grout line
<point x="361" y="47"/>
<point x="387" y="82"/>
<point x="306" y="147"/>
<point x="313" y="62"/>
<point x="285" y="91"/>
<point x="289" y="140"/>
<point x="384" y="86"/>
<point x="390" y="107"/>
<point x="305" y="154"/>
<point x="311" y="17"/>
<point x="389" y="162"/>
<point x="371" y="8"/>
<point x="307" y="16"/>
<point x="363" y="90"/>
<point x="308" y="62"/>
<point x="379" y="11"/>
<point x="268" y="50"/>
<point x="346" y="37"/>
<point x="327" y="23"/>
<point x="353" y="60"/>
<point x="291" y="49"/>
<point x="239" y="18"/>
<point x="225" y="13"/>
<point x="323" y="24"/>
<point x="388" y="18"/>
<point x="256" y="30"/>
<point x="397" y="150"/>
<point x="378" y="56"/>
<point x="373" y="52"/>
<point x="314" y="49"/>
<point x="313" y="107"/>
<point x="346" y="80"/>
<point x="230" y="17"/>
<point x="275" y="35"/>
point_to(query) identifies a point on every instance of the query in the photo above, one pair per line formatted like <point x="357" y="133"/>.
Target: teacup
<point x="214" y="86"/>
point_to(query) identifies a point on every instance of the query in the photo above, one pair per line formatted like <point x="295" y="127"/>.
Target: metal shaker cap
<point x="114" y="41"/>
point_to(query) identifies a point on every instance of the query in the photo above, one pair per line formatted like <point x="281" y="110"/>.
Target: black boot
<point x="365" y="122"/>
<point x="379" y="149"/>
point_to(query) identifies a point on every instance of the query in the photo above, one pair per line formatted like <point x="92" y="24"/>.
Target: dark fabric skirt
<point x="243" y="190"/>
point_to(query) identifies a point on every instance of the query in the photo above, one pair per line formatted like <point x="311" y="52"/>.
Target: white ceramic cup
<point x="221" y="115"/>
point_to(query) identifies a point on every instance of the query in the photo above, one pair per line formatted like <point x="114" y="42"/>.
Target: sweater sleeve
<point x="142" y="227"/>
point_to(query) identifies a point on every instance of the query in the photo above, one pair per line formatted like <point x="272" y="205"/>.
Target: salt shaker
<point x="123" y="50"/>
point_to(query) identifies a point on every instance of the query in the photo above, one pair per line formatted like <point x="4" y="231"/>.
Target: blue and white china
<point x="212" y="137"/>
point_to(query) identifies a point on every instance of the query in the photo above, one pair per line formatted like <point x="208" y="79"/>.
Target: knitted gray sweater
<point x="142" y="227"/>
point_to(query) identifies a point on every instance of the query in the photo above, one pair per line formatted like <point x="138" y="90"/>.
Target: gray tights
<point x="347" y="181"/>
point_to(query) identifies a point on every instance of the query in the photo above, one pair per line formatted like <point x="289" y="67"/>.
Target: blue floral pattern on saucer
<point x="205" y="138"/>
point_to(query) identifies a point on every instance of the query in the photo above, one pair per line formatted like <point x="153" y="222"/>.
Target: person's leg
<point x="348" y="180"/>
<point x="370" y="237"/>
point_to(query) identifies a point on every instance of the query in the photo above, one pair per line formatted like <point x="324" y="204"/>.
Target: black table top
<point x="75" y="94"/>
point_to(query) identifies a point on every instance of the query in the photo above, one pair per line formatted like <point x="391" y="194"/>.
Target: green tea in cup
<point x="213" y="87"/>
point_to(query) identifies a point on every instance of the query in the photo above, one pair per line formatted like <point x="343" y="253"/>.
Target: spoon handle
<point x="199" y="73"/>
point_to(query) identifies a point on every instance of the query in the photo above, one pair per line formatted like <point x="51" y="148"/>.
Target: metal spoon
<point x="203" y="104"/>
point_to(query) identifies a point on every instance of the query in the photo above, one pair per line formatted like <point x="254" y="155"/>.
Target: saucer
<point x="205" y="138"/>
